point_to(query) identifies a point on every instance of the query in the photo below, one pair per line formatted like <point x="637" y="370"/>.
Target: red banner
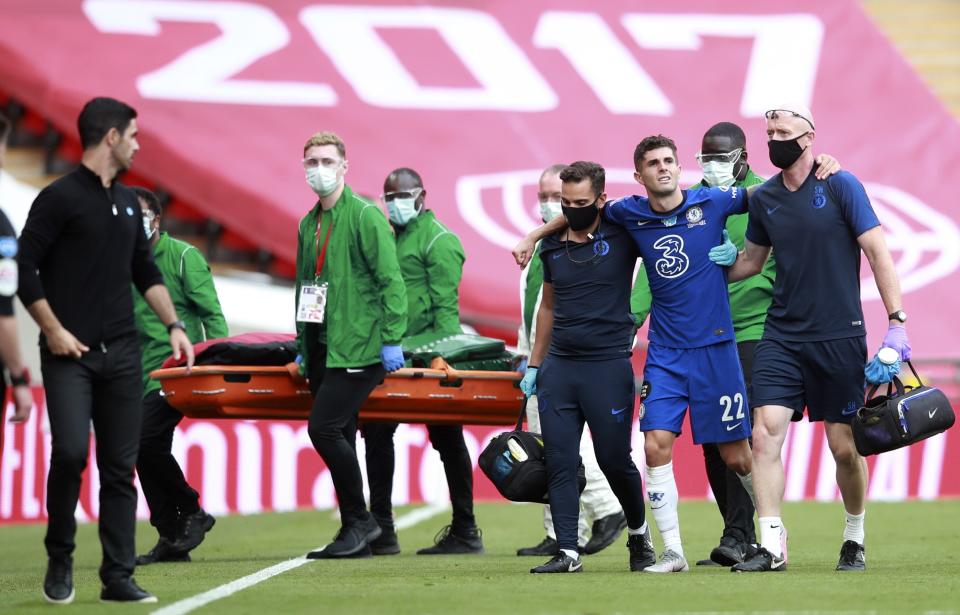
<point x="479" y="97"/>
<point x="259" y="466"/>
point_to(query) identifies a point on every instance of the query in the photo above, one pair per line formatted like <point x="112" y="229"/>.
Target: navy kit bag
<point x="514" y="462"/>
<point x="903" y="416"/>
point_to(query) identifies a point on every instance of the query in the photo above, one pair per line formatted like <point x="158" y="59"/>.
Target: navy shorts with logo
<point x="708" y="380"/>
<point x="826" y="377"/>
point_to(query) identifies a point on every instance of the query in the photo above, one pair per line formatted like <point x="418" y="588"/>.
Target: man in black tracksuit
<point x="82" y="246"/>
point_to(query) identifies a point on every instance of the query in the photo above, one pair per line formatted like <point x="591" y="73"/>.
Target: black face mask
<point x="784" y="153"/>
<point x="580" y="218"/>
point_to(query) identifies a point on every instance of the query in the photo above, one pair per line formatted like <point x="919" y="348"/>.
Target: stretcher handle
<point x="455" y="374"/>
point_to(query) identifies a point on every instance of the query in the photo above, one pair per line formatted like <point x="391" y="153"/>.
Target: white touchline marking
<point x="195" y="602"/>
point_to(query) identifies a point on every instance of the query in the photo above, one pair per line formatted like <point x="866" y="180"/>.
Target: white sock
<point x="853" y="530"/>
<point x="572" y="553"/>
<point x="663" y="496"/>
<point x="638" y="532"/>
<point x="770" y="528"/>
<point x="747" y="482"/>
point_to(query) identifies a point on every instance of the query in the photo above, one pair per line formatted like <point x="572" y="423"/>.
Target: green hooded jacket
<point x="366" y="300"/>
<point x="431" y="262"/>
<point x="749" y="298"/>
<point x="187" y="277"/>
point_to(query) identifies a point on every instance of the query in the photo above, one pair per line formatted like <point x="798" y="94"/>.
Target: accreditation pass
<point x="313" y="302"/>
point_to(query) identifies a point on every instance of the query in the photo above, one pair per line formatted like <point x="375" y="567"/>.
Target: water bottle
<point x="516" y="449"/>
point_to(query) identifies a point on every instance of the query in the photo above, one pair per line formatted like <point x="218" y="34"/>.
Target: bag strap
<point x="523" y="413"/>
<point x="915" y="374"/>
<point x="896" y="382"/>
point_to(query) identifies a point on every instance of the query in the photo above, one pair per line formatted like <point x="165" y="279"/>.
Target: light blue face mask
<point x="402" y="211"/>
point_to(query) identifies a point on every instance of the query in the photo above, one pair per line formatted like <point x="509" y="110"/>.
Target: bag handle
<point x="523" y="413"/>
<point x="896" y="382"/>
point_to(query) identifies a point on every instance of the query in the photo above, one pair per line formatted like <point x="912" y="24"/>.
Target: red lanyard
<point x="322" y="253"/>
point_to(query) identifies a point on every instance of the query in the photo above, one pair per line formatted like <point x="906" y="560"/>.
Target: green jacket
<point x="749" y="298"/>
<point x="366" y="300"/>
<point x="431" y="262"/>
<point x="187" y="277"/>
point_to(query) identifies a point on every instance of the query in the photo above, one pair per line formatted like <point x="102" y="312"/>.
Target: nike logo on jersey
<point x="616" y="412"/>
<point x="732" y="427"/>
<point x="770" y="210"/>
<point x="642" y="222"/>
<point x="557" y="255"/>
<point x="932" y="412"/>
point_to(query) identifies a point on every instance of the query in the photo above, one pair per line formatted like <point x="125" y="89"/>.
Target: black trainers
<point x="125" y="590"/>
<point x="387" y="543"/>
<point x="729" y="552"/>
<point x="761" y="561"/>
<point x="193" y="531"/>
<point x="351" y="541"/>
<point x="451" y="541"/>
<point x="547" y="546"/>
<point x="853" y="557"/>
<point x="561" y="562"/>
<point x="58" y="583"/>
<point x="642" y="554"/>
<point x="605" y="532"/>
<point x="163" y="551"/>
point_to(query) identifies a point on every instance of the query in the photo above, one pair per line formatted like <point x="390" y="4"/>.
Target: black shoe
<point x="561" y="562"/>
<point x="547" y="546"/>
<point x="605" y="532"/>
<point x="642" y="554"/>
<point x="387" y="543"/>
<point x="58" y="583"/>
<point x="706" y="562"/>
<point x="125" y="590"/>
<point x="853" y="557"/>
<point x="762" y="561"/>
<point x="193" y="531"/>
<point x="451" y="541"/>
<point x="351" y="541"/>
<point x="730" y="552"/>
<point x="163" y="551"/>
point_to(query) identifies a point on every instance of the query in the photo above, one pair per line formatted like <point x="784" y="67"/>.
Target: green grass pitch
<point x="913" y="560"/>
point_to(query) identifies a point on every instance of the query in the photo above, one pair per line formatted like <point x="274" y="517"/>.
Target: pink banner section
<point x="260" y="466"/>
<point x="480" y="97"/>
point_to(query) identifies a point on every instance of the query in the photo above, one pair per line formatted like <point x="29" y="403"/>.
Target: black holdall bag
<point x="515" y="464"/>
<point x="903" y="416"/>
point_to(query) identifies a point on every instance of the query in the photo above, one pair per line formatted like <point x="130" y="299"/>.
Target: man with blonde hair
<point x="351" y="311"/>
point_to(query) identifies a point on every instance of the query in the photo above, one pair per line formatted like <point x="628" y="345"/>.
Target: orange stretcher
<point x="438" y="394"/>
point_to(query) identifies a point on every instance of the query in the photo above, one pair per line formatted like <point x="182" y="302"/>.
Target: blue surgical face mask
<point x="402" y="211"/>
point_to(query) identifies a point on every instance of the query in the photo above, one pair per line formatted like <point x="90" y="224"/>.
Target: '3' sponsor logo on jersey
<point x="674" y="262"/>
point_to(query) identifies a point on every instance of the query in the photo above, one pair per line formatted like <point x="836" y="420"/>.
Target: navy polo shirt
<point x="814" y="233"/>
<point x="591" y="293"/>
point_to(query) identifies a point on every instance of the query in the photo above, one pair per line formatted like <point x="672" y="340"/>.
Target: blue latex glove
<point x="522" y="367"/>
<point x="878" y="372"/>
<point x="726" y="253"/>
<point x="896" y="338"/>
<point x="529" y="383"/>
<point x="391" y="357"/>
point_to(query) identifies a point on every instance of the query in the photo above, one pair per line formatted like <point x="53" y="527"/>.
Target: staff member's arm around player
<point x="580" y="365"/>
